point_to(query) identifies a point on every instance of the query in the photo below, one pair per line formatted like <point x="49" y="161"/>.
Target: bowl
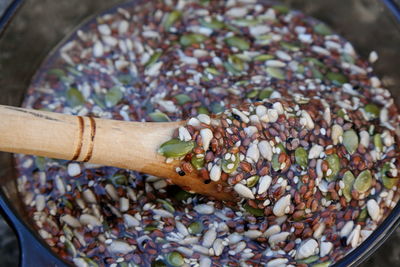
<point x="31" y="29"/>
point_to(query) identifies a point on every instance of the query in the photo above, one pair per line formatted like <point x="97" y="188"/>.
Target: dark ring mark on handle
<point x="80" y="140"/>
<point x="92" y="135"/>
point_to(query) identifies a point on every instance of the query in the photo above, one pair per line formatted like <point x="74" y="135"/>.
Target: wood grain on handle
<point x="127" y="145"/>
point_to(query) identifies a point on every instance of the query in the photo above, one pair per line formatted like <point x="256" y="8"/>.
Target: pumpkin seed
<point x="153" y="59"/>
<point x="275" y="162"/>
<point x="198" y="163"/>
<point x="216" y="108"/>
<point x="309" y="260"/>
<point x="195" y="228"/>
<point x="347" y="58"/>
<point x="322" y="264"/>
<point x="98" y="100"/>
<point x="167" y="205"/>
<point x="350" y="141"/>
<point x="289" y="46"/>
<point x="171" y="18"/>
<point x="317" y="74"/>
<point x="341" y="113"/>
<point x="237" y="42"/>
<point x="202" y="110"/>
<point x="275" y="73"/>
<point x="263" y="57"/>
<point x="334" y="165"/>
<point x="301" y="156"/>
<point x="315" y="62"/>
<point x="322" y="28"/>
<point x="252" y="94"/>
<point x="266" y="93"/>
<point x="126" y="79"/>
<point x="236" y="62"/>
<point x="213" y="71"/>
<point x="378" y="142"/>
<point x="40" y="163"/>
<point x="150" y="228"/>
<point x="363" y="215"/>
<point x="231" y="69"/>
<point x="252" y="181"/>
<point x="182" y="195"/>
<point x="229" y="162"/>
<point x="253" y="211"/>
<point x="372" y="110"/>
<point x="70" y="248"/>
<point x="348" y="180"/>
<point x="281" y="9"/>
<point x="388" y="182"/>
<point x="245" y="22"/>
<point x="212" y="24"/>
<point x="176" y="148"/>
<point x="113" y="96"/>
<point x="192" y="38"/>
<point x="363" y="181"/>
<point x="159" y="117"/>
<point x="119" y="179"/>
<point x="264" y="39"/>
<point x="182" y="99"/>
<point x="90" y="262"/>
<point x="336" y="78"/>
<point x="75" y="97"/>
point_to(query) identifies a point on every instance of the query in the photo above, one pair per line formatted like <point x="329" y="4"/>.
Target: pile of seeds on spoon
<point x="316" y="167"/>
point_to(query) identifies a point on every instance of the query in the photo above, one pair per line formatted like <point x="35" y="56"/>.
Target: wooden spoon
<point x="122" y="144"/>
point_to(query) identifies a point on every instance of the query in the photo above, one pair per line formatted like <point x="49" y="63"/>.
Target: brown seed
<point x="187" y="167"/>
<point x="245" y="166"/>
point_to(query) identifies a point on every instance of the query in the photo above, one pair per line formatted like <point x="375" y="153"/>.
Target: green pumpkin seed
<point x="202" y="110"/>
<point x="315" y="62"/>
<point x="252" y="181"/>
<point x="266" y="93"/>
<point x="378" y="142"/>
<point x="192" y="38"/>
<point x="388" y="182"/>
<point x="182" y="195"/>
<point x="342" y="113"/>
<point x="67" y="232"/>
<point x="235" y="163"/>
<point x="150" y="228"/>
<point x="300" y="69"/>
<point x="166" y="205"/>
<point x="265" y="39"/>
<point x="321" y="28"/>
<point x="322" y="264"/>
<point x="276" y="73"/>
<point x="158" y="263"/>
<point x="309" y="260"/>
<point x="171" y="18"/>
<point x="40" y="163"/>
<point x="75" y="97"/>
<point x="198" y="163"/>
<point x="245" y="22"/>
<point x="334" y="165"/>
<point x="289" y="46"/>
<point x="350" y="141"/>
<point x="175" y="259"/>
<point x="119" y="179"/>
<point x="275" y="162"/>
<point x="195" y="228"/>
<point x="237" y="42"/>
<point x="90" y="262"/>
<point x="347" y="58"/>
<point x="372" y="110"/>
<point x="126" y="79"/>
<point x="253" y="211"/>
<point x="70" y="248"/>
<point x="182" y="99"/>
<point x="213" y="71"/>
<point x="213" y="24"/>
<point x="363" y="181"/>
<point x="216" y="108"/>
<point x="363" y="215"/>
<point x="159" y="117"/>
<point x="281" y="9"/>
<point x="98" y="100"/>
<point x="113" y="96"/>
<point x="317" y="74"/>
<point x="153" y="59"/>
<point x="263" y="57"/>
<point x="176" y="148"/>
<point x="231" y="69"/>
<point x="348" y="180"/>
<point x="336" y="78"/>
<point x="252" y="94"/>
<point x="301" y="156"/>
<point x="74" y="71"/>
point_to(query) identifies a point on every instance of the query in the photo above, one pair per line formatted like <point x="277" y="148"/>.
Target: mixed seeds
<point x="306" y="135"/>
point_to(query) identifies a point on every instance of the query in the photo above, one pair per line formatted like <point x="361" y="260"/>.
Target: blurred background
<point x="387" y="255"/>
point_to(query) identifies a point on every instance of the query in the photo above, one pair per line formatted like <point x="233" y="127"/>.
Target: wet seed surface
<point x="313" y="153"/>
